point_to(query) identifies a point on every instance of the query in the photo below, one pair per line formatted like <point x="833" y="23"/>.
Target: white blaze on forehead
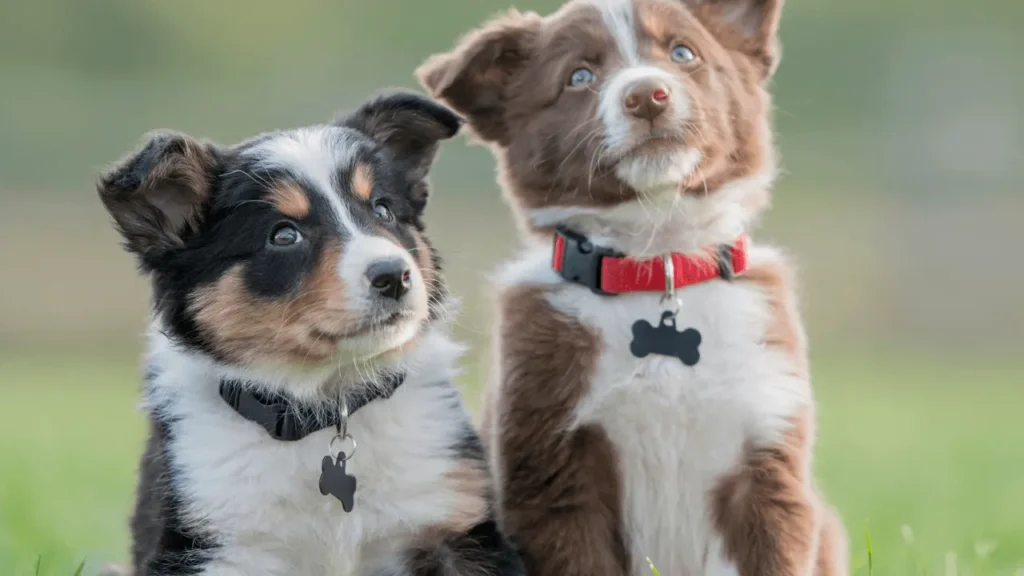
<point x="316" y="154"/>
<point x="618" y="18"/>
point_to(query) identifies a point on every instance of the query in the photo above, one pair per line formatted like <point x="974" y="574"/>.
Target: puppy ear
<point x="472" y="77"/>
<point x="409" y="125"/>
<point x="755" y="21"/>
<point x="156" y="194"/>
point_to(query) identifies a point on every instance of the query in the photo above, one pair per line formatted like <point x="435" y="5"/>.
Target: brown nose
<point x="647" y="99"/>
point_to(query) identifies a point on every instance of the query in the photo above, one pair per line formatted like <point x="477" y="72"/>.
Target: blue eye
<point x="581" y="77"/>
<point x="682" y="53"/>
<point x="383" y="212"/>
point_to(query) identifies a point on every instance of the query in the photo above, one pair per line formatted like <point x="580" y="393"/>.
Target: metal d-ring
<point x="670" y="276"/>
<point x="340" y="439"/>
<point x="670" y="283"/>
<point x="342" y="415"/>
<point x="342" y="435"/>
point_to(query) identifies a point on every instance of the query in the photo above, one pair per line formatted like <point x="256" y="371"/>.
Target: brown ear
<point x="472" y="77"/>
<point x="156" y="194"/>
<point x="755" y="22"/>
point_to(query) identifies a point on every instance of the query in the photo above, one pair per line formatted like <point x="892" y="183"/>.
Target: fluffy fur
<point x="297" y="263"/>
<point x="645" y="125"/>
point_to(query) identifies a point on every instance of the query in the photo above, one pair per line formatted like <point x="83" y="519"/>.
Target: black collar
<point x="287" y="420"/>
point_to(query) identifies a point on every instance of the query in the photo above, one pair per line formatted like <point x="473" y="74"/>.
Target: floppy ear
<point x="755" y="21"/>
<point x="409" y="125"/>
<point x="156" y="194"/>
<point x="472" y="77"/>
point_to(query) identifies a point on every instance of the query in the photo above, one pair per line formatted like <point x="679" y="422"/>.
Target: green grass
<point x="930" y="455"/>
<point x="69" y="443"/>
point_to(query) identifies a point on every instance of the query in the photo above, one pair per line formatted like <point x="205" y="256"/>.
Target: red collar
<point x="608" y="272"/>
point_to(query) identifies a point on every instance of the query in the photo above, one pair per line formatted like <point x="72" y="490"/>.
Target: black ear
<point x="409" y="125"/>
<point x="157" y="194"/>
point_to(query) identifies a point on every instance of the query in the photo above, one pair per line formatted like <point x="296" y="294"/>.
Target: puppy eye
<point x="382" y="212"/>
<point x="581" y="77"/>
<point x="285" y="235"/>
<point x="681" y="53"/>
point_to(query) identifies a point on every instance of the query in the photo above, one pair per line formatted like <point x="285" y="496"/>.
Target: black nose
<point x="389" y="278"/>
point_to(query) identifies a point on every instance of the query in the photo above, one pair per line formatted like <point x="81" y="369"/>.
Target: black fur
<point x="163" y="544"/>
<point x="482" y="551"/>
<point x="190" y="211"/>
<point x="408" y="125"/>
<point x="470" y="446"/>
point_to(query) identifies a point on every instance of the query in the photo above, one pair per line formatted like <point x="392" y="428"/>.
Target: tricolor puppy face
<point x="607" y="99"/>
<point x="297" y="248"/>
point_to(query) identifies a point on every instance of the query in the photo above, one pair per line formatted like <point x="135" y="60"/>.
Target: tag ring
<point x="338" y="440"/>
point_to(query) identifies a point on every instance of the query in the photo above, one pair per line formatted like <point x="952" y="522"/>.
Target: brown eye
<point x="684" y="54"/>
<point x="382" y="212"/>
<point x="285" y="235"/>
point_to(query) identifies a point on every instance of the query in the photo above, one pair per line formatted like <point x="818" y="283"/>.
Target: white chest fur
<point x="679" y="429"/>
<point x="260" y="497"/>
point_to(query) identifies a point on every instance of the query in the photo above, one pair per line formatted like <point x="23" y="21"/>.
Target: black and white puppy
<point x="299" y="377"/>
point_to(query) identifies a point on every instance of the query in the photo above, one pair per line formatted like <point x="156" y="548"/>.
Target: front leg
<point x="564" y="508"/>
<point x="767" y="514"/>
<point x="481" y="551"/>
<point x="560" y="488"/>
<point x="467" y="542"/>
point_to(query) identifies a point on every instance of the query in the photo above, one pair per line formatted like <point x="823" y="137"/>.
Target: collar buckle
<point x="581" y="260"/>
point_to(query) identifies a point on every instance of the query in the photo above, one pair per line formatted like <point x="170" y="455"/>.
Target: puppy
<point x="653" y="397"/>
<point x="299" y="385"/>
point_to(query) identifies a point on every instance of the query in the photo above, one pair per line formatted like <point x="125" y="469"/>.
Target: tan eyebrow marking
<point x="290" y="200"/>
<point x="362" y="181"/>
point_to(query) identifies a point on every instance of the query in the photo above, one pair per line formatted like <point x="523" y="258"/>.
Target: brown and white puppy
<point x="293" y="284"/>
<point x="643" y="125"/>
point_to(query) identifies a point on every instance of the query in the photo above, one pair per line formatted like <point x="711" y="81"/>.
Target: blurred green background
<point x="902" y="130"/>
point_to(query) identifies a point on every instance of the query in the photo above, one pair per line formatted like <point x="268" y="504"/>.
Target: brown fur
<point x="473" y="484"/>
<point x="305" y="327"/>
<point x="784" y="330"/>
<point x="362" y="181"/>
<point x="771" y="519"/>
<point x="833" y="549"/>
<point x="509" y="78"/>
<point x="561" y="495"/>
<point x="766" y="511"/>
<point x="512" y="72"/>
<point x="290" y="200"/>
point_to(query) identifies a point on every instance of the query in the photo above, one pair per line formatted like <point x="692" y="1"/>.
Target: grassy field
<point x="928" y="457"/>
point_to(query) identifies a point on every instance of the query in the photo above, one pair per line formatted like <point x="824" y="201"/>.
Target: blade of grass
<point x="81" y="567"/>
<point x="653" y="569"/>
<point x="871" y="563"/>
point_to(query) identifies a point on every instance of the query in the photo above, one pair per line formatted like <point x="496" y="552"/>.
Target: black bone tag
<point x="665" y="340"/>
<point x="336" y="482"/>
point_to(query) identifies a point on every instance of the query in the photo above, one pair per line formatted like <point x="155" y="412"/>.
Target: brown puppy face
<point x="606" y="100"/>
